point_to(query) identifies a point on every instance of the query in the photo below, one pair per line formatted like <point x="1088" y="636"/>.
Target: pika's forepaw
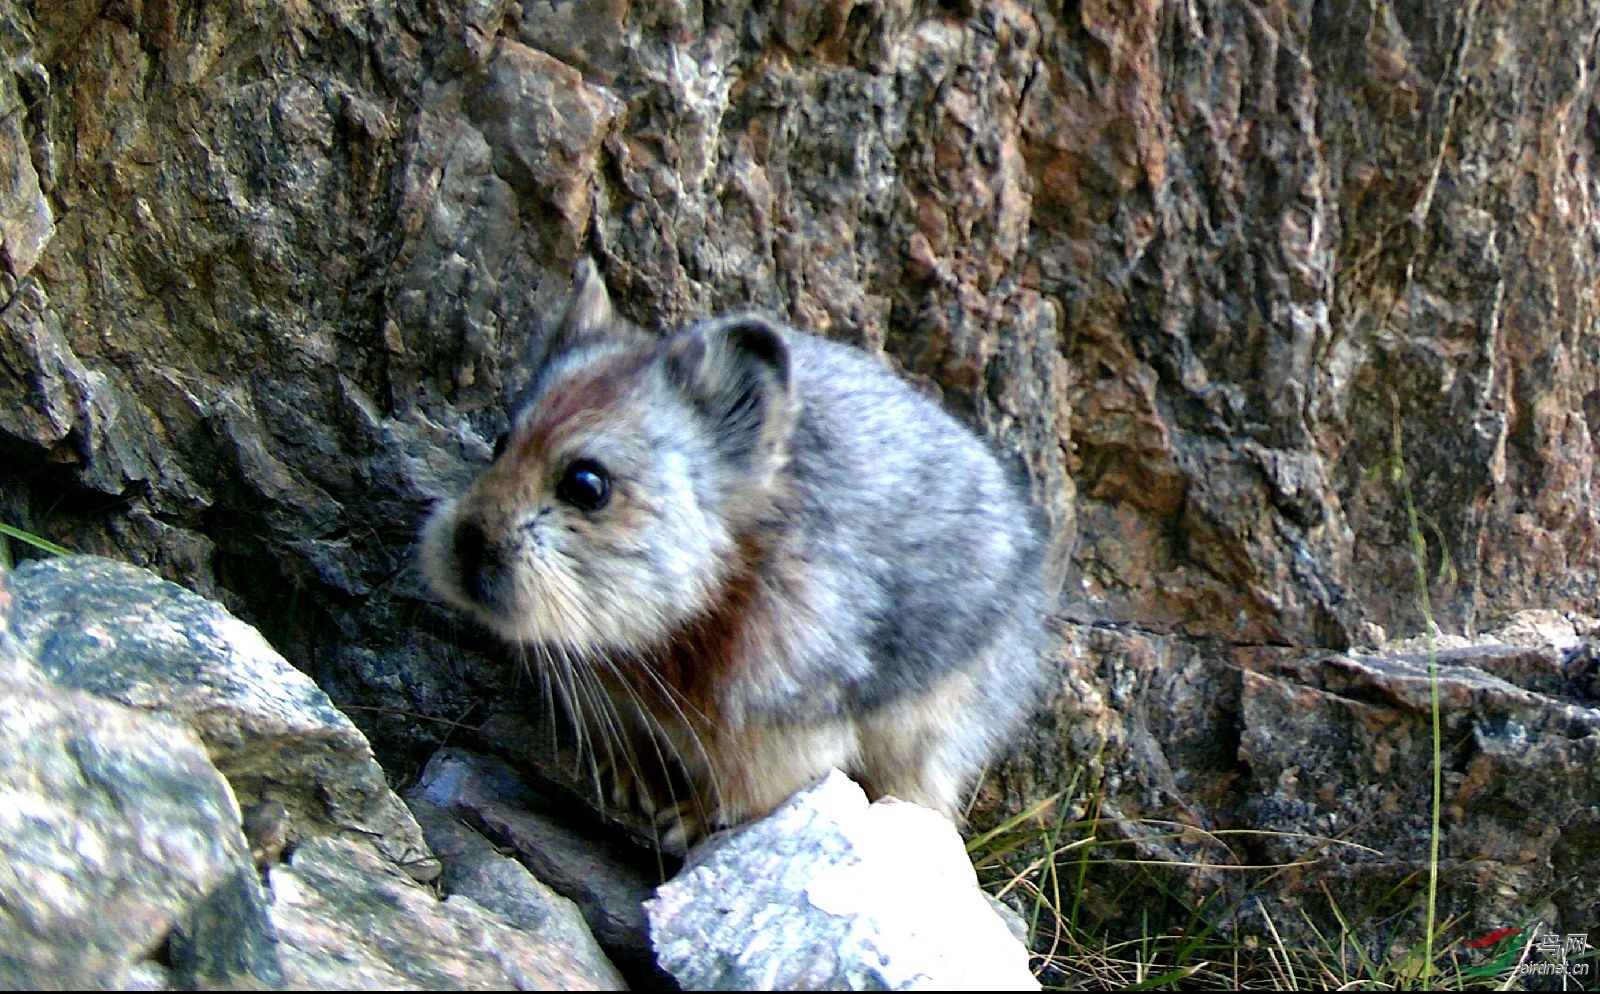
<point x="622" y="788"/>
<point x="681" y="825"/>
<point x="664" y="807"/>
<point x="677" y="827"/>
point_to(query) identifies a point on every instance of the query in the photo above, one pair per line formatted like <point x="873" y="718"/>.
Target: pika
<point x="752" y="554"/>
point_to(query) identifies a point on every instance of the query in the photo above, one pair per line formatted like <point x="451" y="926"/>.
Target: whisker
<point x="661" y="738"/>
<point x="681" y="708"/>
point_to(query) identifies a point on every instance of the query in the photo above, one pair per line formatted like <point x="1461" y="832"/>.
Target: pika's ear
<point x="589" y="306"/>
<point x="735" y="373"/>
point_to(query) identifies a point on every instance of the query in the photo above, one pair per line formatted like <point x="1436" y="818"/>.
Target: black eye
<point x="500" y="444"/>
<point x="585" y="484"/>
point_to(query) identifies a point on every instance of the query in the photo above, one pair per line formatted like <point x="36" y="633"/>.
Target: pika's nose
<point x="476" y="562"/>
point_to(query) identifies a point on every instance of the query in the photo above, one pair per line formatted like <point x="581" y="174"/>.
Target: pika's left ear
<point x="589" y="305"/>
<point x="585" y="318"/>
<point x="735" y="373"/>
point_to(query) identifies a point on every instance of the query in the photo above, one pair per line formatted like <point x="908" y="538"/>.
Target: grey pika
<point x="754" y="554"/>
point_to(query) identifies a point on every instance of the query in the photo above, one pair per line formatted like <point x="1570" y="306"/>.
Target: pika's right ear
<point x="588" y="308"/>
<point x="735" y="373"/>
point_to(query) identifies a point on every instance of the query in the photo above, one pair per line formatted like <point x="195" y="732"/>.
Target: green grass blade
<point x="29" y="538"/>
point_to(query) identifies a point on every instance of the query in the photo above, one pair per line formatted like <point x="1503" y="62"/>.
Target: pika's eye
<point x="500" y="444"/>
<point x="585" y="484"/>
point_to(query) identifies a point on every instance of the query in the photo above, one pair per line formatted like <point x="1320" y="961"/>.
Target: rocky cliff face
<point x="1215" y="272"/>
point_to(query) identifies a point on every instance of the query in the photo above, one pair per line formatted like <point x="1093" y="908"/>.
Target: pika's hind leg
<point x="929" y="748"/>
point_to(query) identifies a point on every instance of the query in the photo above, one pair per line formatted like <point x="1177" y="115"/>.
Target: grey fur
<point x="892" y="609"/>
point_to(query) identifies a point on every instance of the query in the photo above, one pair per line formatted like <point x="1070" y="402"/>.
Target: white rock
<point x="829" y="892"/>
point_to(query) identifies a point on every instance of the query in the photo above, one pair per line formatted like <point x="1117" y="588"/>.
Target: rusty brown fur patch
<point x="586" y="399"/>
<point x="703" y="655"/>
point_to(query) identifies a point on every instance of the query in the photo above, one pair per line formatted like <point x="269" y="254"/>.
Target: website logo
<point x="1503" y="961"/>
<point x="1534" y="954"/>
